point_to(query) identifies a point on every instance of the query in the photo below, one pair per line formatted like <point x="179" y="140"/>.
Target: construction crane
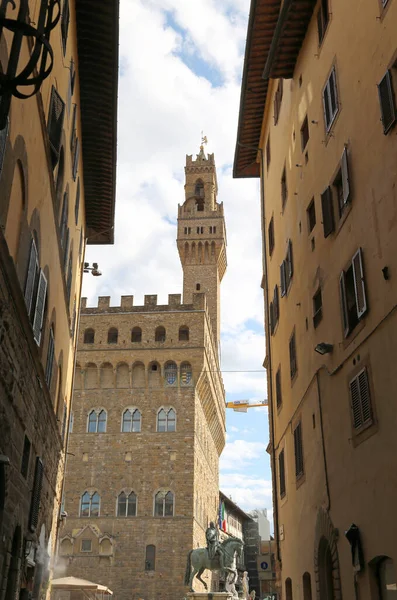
<point x="244" y="405"/>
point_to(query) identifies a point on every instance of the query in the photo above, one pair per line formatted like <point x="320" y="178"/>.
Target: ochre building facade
<point x="149" y="419"/>
<point x="320" y="131"/>
<point x="46" y="219"/>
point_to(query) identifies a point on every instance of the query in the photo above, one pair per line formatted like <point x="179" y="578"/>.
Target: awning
<point x="74" y="583"/>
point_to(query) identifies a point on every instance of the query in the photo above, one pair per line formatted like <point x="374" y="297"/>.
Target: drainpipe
<point x="320" y="410"/>
<point x="268" y="350"/>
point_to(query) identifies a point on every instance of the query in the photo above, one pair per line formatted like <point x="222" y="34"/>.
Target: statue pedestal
<point x="209" y="596"/>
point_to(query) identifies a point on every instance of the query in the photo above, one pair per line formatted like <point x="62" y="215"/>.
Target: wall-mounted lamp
<point x="297" y="165"/>
<point x="28" y="547"/>
<point x="94" y="269"/>
<point x="323" y="348"/>
<point x="386" y="274"/>
<point x="315" y="122"/>
<point x="41" y="57"/>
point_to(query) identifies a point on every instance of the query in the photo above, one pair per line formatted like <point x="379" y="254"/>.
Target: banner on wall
<point x="222" y="519"/>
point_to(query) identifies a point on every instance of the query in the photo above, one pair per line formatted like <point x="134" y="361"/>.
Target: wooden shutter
<point x="66" y="250"/>
<point x="40" y="306"/>
<point x="345" y="177"/>
<point x="73" y="135"/>
<point x="271" y="236"/>
<point x="77" y="203"/>
<point x="328" y="212"/>
<point x="281" y="471"/>
<point x="50" y="358"/>
<point x="64" y="217"/>
<point x="276" y="305"/>
<point x="327" y="106"/>
<point x="65" y="23"/>
<point x="279" y="398"/>
<point x="69" y="279"/>
<point x="271" y="317"/>
<point x="359" y="285"/>
<point x="387" y="103"/>
<point x="31" y="276"/>
<point x="3" y="142"/>
<point x="283" y="282"/>
<point x="343" y="300"/>
<point x="76" y="158"/>
<point x="360" y="400"/>
<point x="298" y="450"/>
<point x="55" y="124"/>
<point x="292" y="356"/>
<point x="36" y="495"/>
<point x="290" y="260"/>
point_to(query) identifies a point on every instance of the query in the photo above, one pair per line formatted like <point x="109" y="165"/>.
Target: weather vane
<point x="203" y="139"/>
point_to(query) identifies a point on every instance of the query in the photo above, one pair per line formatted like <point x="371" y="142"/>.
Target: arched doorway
<point x="288" y="589"/>
<point x="325" y="569"/>
<point x="307" y="586"/>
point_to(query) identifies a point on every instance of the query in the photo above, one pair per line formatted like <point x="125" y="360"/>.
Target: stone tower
<point x="202" y="235"/>
<point x="149" y="420"/>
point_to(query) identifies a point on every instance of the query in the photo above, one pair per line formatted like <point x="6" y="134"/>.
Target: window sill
<point x="300" y="480"/>
<point x="294" y="378"/>
<point x="364" y="433"/>
<point x="354" y="333"/>
<point x="329" y="132"/>
<point x="343" y="217"/>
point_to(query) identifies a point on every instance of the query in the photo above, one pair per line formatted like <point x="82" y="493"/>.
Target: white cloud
<point x="247" y="491"/>
<point x="239" y="453"/>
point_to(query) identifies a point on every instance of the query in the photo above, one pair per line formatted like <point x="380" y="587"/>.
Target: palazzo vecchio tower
<point x="148" y="421"/>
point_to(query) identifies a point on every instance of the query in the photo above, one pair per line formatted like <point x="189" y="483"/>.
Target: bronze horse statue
<point x="224" y="561"/>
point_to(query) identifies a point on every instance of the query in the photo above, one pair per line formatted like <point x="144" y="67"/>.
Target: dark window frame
<point x="89" y="336"/>
<point x="279" y="395"/>
<point x="278" y="97"/>
<point x="305" y="133"/>
<point x="330" y="100"/>
<point x="284" y="188"/>
<point x="387" y="102"/>
<point x="113" y="335"/>
<point x="293" y="363"/>
<point x="322" y="20"/>
<point x="56" y="115"/>
<point x="281" y="473"/>
<point x="65" y="24"/>
<point x="352" y="282"/>
<point x="298" y="451"/>
<point x="311" y="216"/>
<point x="271" y="237"/>
<point x="317" y="307"/>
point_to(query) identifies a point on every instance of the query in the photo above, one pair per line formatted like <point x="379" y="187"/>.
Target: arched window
<point x="307" y="586"/>
<point x="288" y="589"/>
<point x="186" y="373"/>
<point x="136" y="334"/>
<point x="386" y="576"/>
<point x="107" y="378"/>
<point x="123" y="376"/>
<point x="89" y="336"/>
<point x="97" y="421"/>
<point x="159" y="335"/>
<point x="113" y="335"/>
<point x="131" y="421"/>
<point x="166" y="420"/>
<point x="150" y="558"/>
<point x="325" y="568"/>
<point x="199" y="189"/>
<point x="89" y="505"/>
<point x="91" y="376"/>
<point x="184" y="334"/>
<point x="170" y="373"/>
<point x="126" y="505"/>
<point x="164" y="504"/>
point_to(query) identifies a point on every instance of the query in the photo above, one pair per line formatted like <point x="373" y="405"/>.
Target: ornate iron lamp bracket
<point x="41" y="58"/>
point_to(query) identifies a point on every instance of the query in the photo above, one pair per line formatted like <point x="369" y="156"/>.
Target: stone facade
<point x="328" y="142"/>
<point x="43" y="231"/>
<point x="159" y="363"/>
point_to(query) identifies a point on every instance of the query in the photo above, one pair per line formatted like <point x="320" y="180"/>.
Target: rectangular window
<point x="289" y="265"/>
<point x="50" y="358"/>
<point x="342" y="184"/>
<point x="360" y="399"/>
<point x="76" y="156"/>
<point x="86" y="545"/>
<point x="387" y="102"/>
<point x="55" y="125"/>
<point x="311" y="215"/>
<point x="279" y="398"/>
<point x="65" y="24"/>
<point x="40" y="308"/>
<point x="36" y="495"/>
<point x="283" y="282"/>
<point x="277" y="100"/>
<point x="3" y="143"/>
<point x="281" y="473"/>
<point x="328" y="212"/>
<point x="304" y="133"/>
<point x="198" y="229"/>
<point x="271" y="318"/>
<point x="352" y="292"/>
<point x="317" y="307"/>
<point x="322" y="19"/>
<point x="330" y="100"/>
<point x="271" y="236"/>
<point x="268" y="157"/>
<point x="292" y="356"/>
<point x="276" y="305"/>
<point x="284" y="188"/>
<point x="299" y="470"/>
<point x="210" y="228"/>
<point x="214" y="229"/>
<point x="25" y="457"/>
<point x="32" y="279"/>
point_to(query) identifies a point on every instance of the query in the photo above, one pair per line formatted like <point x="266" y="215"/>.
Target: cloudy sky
<point x="180" y="73"/>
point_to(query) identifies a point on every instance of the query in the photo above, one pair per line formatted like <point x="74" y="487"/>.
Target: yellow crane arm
<point x="243" y="405"/>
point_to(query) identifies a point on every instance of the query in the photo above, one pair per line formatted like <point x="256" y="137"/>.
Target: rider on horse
<point x="213" y="545"/>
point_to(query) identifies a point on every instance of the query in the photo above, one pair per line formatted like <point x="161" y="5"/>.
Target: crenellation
<point x="150" y="300"/>
<point x="103" y="302"/>
<point x="127" y="302"/>
<point x="174" y="299"/>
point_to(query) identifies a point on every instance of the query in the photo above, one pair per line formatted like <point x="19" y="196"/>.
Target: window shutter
<point x="31" y="276"/>
<point x="298" y="450"/>
<point x="359" y="286"/>
<point x="279" y="398"/>
<point x="69" y="279"/>
<point x="50" y="358"/>
<point x="290" y="260"/>
<point x="65" y="23"/>
<point x="76" y="158"/>
<point x="328" y="212"/>
<point x="387" y="104"/>
<point x="360" y="400"/>
<point x="276" y="305"/>
<point x="271" y="317"/>
<point x="326" y="106"/>
<point x="333" y="92"/>
<point x="281" y="470"/>
<point x="3" y="142"/>
<point x="343" y="299"/>
<point x="36" y="495"/>
<point x="64" y="217"/>
<point x="77" y="203"/>
<point x="66" y="250"/>
<point x="73" y="135"/>
<point x="39" y="310"/>
<point x="345" y="177"/>
<point x="283" y="282"/>
<point x="355" y="403"/>
<point x="55" y="124"/>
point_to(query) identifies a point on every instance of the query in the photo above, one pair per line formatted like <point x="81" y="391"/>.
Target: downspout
<point x="276" y="38"/>
<point x="320" y="410"/>
<point x="268" y="350"/>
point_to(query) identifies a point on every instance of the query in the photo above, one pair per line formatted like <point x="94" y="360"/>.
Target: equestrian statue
<point x="217" y="556"/>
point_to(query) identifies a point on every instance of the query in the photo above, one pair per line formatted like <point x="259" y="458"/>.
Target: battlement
<point x="201" y="159"/>
<point x="150" y="304"/>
